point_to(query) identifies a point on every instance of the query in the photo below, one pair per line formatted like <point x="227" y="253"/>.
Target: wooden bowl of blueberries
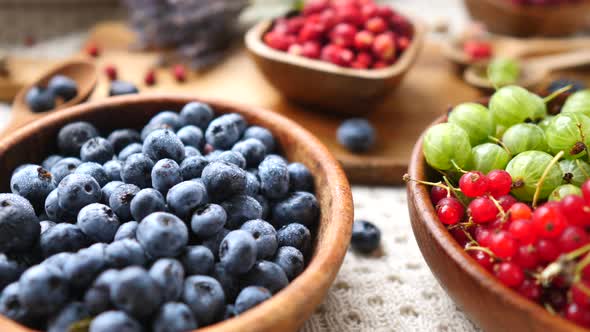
<point x="164" y="213"/>
<point x="338" y="56"/>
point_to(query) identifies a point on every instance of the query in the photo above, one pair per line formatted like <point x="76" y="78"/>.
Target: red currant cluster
<point x="349" y="33"/>
<point x="478" y="49"/>
<point x="542" y="253"/>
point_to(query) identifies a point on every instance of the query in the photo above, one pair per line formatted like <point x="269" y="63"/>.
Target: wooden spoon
<point x="532" y="72"/>
<point x="81" y="71"/>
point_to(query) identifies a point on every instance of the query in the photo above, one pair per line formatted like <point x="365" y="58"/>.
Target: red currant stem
<point x="459" y="197"/>
<point x="542" y="179"/>
<point x="556" y="93"/>
<point x="549" y="308"/>
<point x="580" y="267"/>
<point x="407" y="178"/>
<point x="457" y="167"/>
<point x="559" y="264"/>
<point x="484" y="249"/>
<point x="499" y="141"/>
<point x="462" y="225"/>
<point x="581" y="286"/>
<point x="497" y="204"/>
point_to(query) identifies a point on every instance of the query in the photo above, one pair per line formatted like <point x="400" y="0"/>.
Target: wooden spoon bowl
<point x="81" y="71"/>
<point x="503" y="17"/>
<point x="288" y="309"/>
<point x="490" y="304"/>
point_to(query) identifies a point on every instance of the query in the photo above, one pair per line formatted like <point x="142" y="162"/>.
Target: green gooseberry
<point x="545" y="122"/>
<point x="526" y="170"/>
<point x="540" y="107"/>
<point x="489" y="156"/>
<point x="475" y="119"/>
<point x="570" y="133"/>
<point x="575" y="171"/>
<point x="524" y="137"/>
<point x="564" y="190"/>
<point x="578" y="102"/>
<point x="511" y="105"/>
<point x="502" y="72"/>
<point x="445" y="144"/>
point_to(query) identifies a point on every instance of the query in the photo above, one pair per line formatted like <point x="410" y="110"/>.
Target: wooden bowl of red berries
<point x="524" y="18"/>
<point x="338" y="55"/>
<point x="501" y="215"/>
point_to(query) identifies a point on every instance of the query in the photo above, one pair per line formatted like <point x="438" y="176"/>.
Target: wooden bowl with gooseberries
<point x="292" y="306"/>
<point x="508" y="18"/>
<point x="491" y="305"/>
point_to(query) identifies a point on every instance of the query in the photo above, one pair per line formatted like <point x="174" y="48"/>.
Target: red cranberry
<point x="380" y="64"/>
<point x="315" y="6"/>
<point x="276" y="40"/>
<point x="376" y="25"/>
<point x="385" y="12"/>
<point x="366" y="59"/>
<point x="295" y="49"/>
<point x="295" y="24"/>
<point x="150" y="78"/>
<point x="477" y="50"/>
<point x="337" y="55"/>
<point x="402" y="43"/>
<point x="111" y="72"/>
<point x="363" y="40"/>
<point x="343" y="35"/>
<point x="311" y="49"/>
<point x="93" y="50"/>
<point x="310" y="31"/>
<point x="179" y="72"/>
<point x="349" y="14"/>
<point x="369" y="10"/>
<point x="384" y="47"/>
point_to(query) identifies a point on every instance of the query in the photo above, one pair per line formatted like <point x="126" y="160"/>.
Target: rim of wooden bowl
<point x="294" y="304"/>
<point x="534" y="10"/>
<point x="255" y="44"/>
<point x="419" y="196"/>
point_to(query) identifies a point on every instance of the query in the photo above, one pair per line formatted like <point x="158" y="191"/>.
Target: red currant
<point x="503" y="245"/>
<point x="520" y="211"/>
<point x="526" y="257"/>
<point x="437" y="193"/>
<point x="577" y="314"/>
<point x="580" y="295"/>
<point x="483" y="210"/>
<point x="576" y="210"/>
<point x="509" y="274"/>
<point x="459" y="236"/>
<point x="500" y="182"/>
<point x="523" y="230"/>
<point x="531" y="290"/>
<point x="477" y="50"/>
<point x="572" y="237"/>
<point x="111" y="72"/>
<point x="483" y="259"/>
<point x="548" y="251"/>
<point x="474" y="184"/>
<point x="450" y="211"/>
<point x="506" y="202"/>
<point x="93" y="50"/>
<point x="549" y="221"/>
<point x="483" y="236"/>
<point x="586" y="191"/>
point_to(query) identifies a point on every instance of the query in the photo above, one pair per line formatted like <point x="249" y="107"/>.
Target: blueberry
<point x="189" y="151"/>
<point x="237" y="251"/>
<point x="197" y="260"/>
<point x="12" y="307"/>
<point x="126" y="231"/>
<point x="63" y="86"/>
<point x="98" y="222"/>
<point x="120" y="200"/>
<point x="230" y="312"/>
<point x="239" y="121"/>
<point x="356" y="134"/>
<point x="223" y="132"/>
<point x="81" y="268"/>
<point x="63" y="168"/>
<point x="169" y="276"/>
<point x="214" y="242"/>
<point x="299" y="207"/>
<point x="163" y="143"/>
<point x="562" y="83"/>
<point x="58" y="260"/>
<point x="186" y="197"/>
<point x="240" y="209"/>
<point x="274" y="177"/>
<point x="135" y="292"/>
<point x="98" y="296"/>
<point x="300" y="178"/>
<point x="107" y="190"/>
<point x="174" y="317"/>
<point x="121" y="138"/>
<point x="19" y="226"/>
<point x="252" y="184"/>
<point x="229" y="282"/>
<point x="112" y="169"/>
<point x="40" y="100"/>
<point x="137" y="169"/>
<point x="72" y="136"/>
<point x="118" y="88"/>
<point x="165" y="175"/>
<point x="33" y="183"/>
<point x="295" y="235"/>
<point x="68" y="316"/>
<point x="365" y="236"/>
<point x="223" y="180"/>
<point x="123" y="253"/>
<point x="266" y="274"/>
<point x="208" y="220"/>
<point x="130" y="149"/>
<point x="162" y="234"/>
<point x="145" y="202"/>
<point x="205" y="297"/>
<point x="169" y="118"/>
<point x="263" y="201"/>
<point x="265" y="236"/>
<point x="151" y="127"/>
<point x="290" y="260"/>
<point x="192" y="167"/>
<point x="263" y="135"/>
<point x="62" y="237"/>
<point x="110" y="321"/>
<point x="97" y="149"/>
<point x="250" y="297"/>
<point x="191" y="136"/>
<point x="95" y="170"/>
<point x="45" y="225"/>
<point x="43" y="289"/>
<point x="197" y="114"/>
<point x="50" y="161"/>
<point x="11" y="270"/>
<point x="78" y="190"/>
<point x="232" y="157"/>
<point x="253" y="150"/>
<point x="212" y="156"/>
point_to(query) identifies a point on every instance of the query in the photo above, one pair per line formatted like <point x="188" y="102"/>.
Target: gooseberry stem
<point x="545" y="173"/>
<point x="556" y="93"/>
<point x="499" y="141"/>
<point x="582" y="169"/>
<point x="457" y="167"/>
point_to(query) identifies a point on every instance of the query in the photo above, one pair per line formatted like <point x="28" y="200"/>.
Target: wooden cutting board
<point x="428" y="90"/>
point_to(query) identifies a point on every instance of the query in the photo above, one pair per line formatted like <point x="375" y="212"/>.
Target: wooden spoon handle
<point x="562" y="61"/>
